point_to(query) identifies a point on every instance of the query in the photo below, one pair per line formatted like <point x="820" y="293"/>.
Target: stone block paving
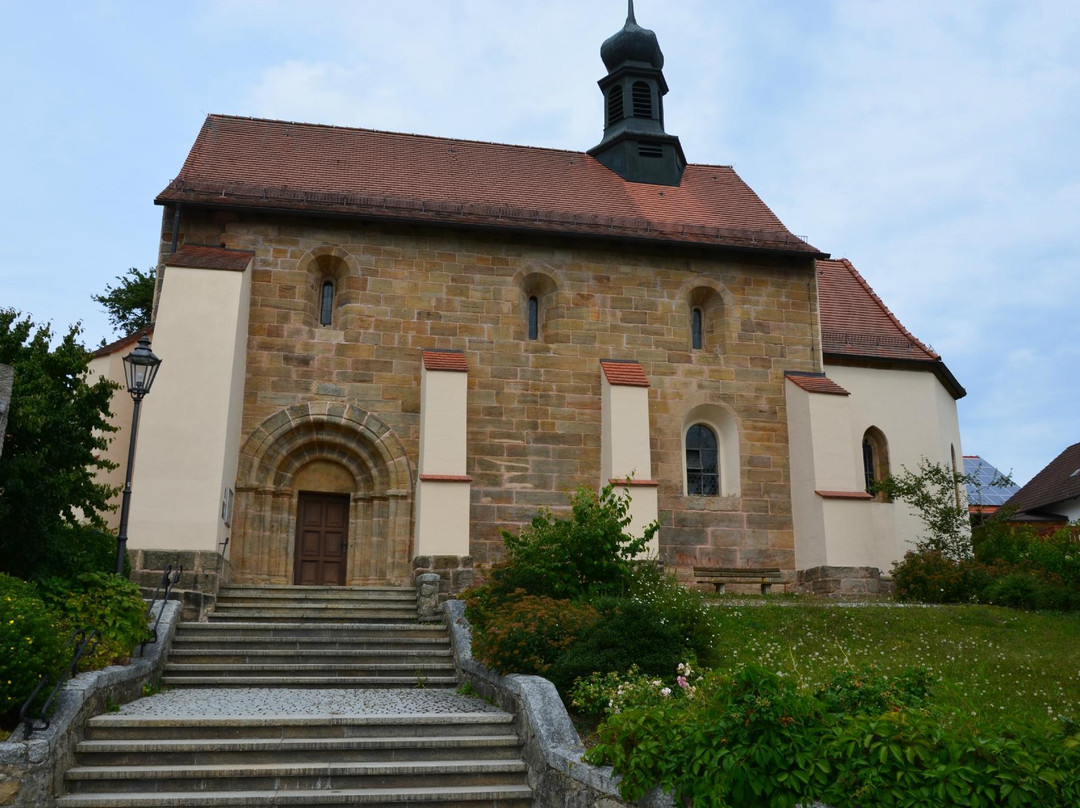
<point x="265" y="701"/>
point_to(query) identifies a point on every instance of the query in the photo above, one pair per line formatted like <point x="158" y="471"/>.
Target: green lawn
<point x="993" y="666"/>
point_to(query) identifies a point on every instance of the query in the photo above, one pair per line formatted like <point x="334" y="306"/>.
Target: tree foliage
<point x="934" y="491"/>
<point x="57" y="427"/>
<point x="129" y="304"/>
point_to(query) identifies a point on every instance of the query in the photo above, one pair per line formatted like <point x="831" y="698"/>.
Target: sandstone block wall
<point x="534" y="406"/>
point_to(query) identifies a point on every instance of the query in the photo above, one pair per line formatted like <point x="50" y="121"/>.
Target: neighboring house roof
<point x="328" y="170"/>
<point x="857" y="327"/>
<point x="985" y="490"/>
<point x="1058" y="482"/>
<point x="124" y="342"/>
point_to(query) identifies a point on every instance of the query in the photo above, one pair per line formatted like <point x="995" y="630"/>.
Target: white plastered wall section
<point x="111" y="367"/>
<point x="918" y="418"/>
<point x="443" y="489"/>
<point x="625" y="453"/>
<point x="189" y="435"/>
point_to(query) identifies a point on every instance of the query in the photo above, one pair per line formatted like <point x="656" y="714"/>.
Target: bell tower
<point x="635" y="145"/>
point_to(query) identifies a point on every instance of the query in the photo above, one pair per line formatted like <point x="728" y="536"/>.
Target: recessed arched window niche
<point x="538" y="298"/>
<point x="707" y="318"/>
<point x="875" y="457"/>
<point x="710" y="438"/>
<point x="332" y="284"/>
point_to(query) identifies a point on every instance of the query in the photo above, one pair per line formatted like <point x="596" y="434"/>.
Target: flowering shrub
<point x="608" y="693"/>
<point x="758" y="738"/>
<point x="931" y="577"/>
<point x="527" y="634"/>
<point x="31" y="644"/>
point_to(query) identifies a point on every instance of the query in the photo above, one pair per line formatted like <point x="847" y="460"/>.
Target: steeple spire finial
<point x="630" y="12"/>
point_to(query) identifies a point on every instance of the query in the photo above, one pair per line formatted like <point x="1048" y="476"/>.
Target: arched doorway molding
<point x="367" y="449"/>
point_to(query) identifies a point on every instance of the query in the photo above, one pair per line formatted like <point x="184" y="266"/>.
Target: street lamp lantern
<point x="140" y="368"/>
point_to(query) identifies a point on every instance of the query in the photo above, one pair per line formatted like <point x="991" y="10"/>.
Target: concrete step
<point x="115" y="726"/>
<point x="314" y="681"/>
<point x="270" y="669"/>
<point x="289" y="614"/>
<point x="509" y="796"/>
<point x="294" y="776"/>
<point x="335" y="593"/>
<point x="298" y="629"/>
<point x="203" y="751"/>
<point x="293" y="655"/>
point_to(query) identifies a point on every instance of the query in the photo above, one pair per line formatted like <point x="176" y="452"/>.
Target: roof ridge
<point x="421" y="136"/>
<point x="881" y="303"/>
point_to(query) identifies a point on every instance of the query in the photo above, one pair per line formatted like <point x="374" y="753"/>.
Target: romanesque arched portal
<point x="323" y="450"/>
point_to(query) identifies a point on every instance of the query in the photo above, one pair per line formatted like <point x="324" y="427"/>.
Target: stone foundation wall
<point x="204" y="573"/>
<point x="534" y="405"/>
<point x="456" y="573"/>
<point x="842" y="581"/>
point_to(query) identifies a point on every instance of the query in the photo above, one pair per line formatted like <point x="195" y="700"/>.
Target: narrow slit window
<point x="869" y="465"/>
<point x="326" y="305"/>
<point x="534" y="317"/>
<point x="702" y="462"/>
<point x="697" y="338"/>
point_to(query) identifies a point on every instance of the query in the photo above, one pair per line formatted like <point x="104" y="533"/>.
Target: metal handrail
<point x="169" y="578"/>
<point x="85" y="642"/>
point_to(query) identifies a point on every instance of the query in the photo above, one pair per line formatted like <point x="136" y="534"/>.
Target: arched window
<point x="326" y="303"/>
<point x="697" y="328"/>
<point x="641" y="96"/>
<point x="614" y="105"/>
<point x="534" y="317"/>
<point x="875" y="453"/>
<point x="702" y="462"/>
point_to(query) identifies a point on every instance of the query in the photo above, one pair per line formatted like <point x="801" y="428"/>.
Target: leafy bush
<point x="102" y="601"/>
<point x="932" y="491"/>
<point x="867" y="691"/>
<point x="627" y="634"/>
<point x="1025" y="590"/>
<point x="931" y="577"/>
<point x="112" y="605"/>
<point x="31" y="645"/>
<point x="528" y="633"/>
<point x="77" y="549"/>
<point x="566" y="557"/>
<point x="756" y="738"/>
<point x="744" y="739"/>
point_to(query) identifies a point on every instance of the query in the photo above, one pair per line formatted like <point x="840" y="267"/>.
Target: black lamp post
<point x="140" y="368"/>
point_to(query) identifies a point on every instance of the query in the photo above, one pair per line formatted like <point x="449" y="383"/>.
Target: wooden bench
<point x="721" y="576"/>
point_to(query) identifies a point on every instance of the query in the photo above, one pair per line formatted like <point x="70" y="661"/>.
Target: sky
<point x="935" y="143"/>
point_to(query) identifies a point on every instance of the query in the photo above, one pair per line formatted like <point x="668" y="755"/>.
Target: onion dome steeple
<point x="635" y="145"/>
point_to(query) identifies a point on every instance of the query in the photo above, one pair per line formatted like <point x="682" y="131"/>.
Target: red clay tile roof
<point x="445" y="360"/>
<point x="124" y="342"/>
<point x="857" y="325"/>
<point x="854" y="320"/>
<point x="816" y="383"/>
<point x="1058" y="482"/>
<point x="624" y="372"/>
<point x="199" y="257"/>
<point x="255" y="163"/>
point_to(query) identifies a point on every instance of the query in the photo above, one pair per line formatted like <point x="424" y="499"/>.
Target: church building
<point x="380" y="350"/>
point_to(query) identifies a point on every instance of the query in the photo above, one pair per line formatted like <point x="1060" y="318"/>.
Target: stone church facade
<point x="381" y="350"/>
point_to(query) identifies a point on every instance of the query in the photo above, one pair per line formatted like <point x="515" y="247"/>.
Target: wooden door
<point x="322" y="537"/>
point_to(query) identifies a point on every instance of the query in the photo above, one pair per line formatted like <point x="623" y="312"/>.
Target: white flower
<point x="665" y="692"/>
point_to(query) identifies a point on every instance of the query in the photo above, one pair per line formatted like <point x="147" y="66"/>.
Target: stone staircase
<point x="262" y="710"/>
<point x="312" y="637"/>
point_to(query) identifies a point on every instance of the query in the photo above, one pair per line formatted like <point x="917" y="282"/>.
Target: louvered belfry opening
<point x="615" y="105"/>
<point x="642" y="97"/>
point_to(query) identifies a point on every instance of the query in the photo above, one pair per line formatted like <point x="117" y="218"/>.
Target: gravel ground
<point x="255" y="701"/>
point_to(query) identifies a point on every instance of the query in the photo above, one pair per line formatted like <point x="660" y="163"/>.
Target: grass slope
<point x="993" y="666"/>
